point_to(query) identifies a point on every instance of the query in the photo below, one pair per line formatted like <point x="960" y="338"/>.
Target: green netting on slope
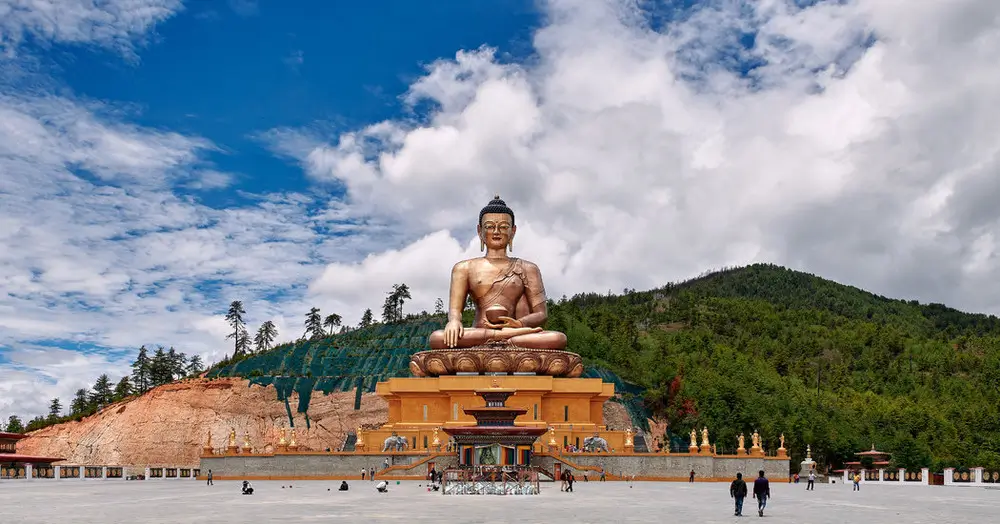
<point x="357" y="359"/>
<point x="628" y="395"/>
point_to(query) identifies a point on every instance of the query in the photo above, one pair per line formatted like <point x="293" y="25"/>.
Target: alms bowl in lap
<point x="496" y="358"/>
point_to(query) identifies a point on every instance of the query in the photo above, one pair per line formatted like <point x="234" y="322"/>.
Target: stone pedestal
<point x="782" y="453"/>
<point x="232" y="450"/>
<point x="705" y="449"/>
<point x="756" y="451"/>
<point x="692" y="449"/>
<point x="806" y="466"/>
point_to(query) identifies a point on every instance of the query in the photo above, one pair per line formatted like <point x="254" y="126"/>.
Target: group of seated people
<point x="382" y="487"/>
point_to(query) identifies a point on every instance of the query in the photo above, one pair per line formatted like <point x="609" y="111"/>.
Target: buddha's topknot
<point x="497" y="206"/>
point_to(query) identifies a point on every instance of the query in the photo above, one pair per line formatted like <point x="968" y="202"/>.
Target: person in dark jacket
<point x="761" y="492"/>
<point x="738" y="491"/>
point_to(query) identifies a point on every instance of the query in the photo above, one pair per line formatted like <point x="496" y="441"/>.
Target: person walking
<point x="691" y="478"/>
<point x="371" y="474"/>
<point x="811" y="485"/>
<point x="604" y="476"/>
<point x="857" y="482"/>
<point x="363" y="471"/>
<point x="761" y="492"/>
<point x="738" y="491"/>
<point x="210" y="477"/>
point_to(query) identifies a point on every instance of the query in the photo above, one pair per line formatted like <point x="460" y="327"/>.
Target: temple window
<point x="425" y="412"/>
<point x="536" y="411"/>
<point x="454" y="411"/>
<point x="565" y="413"/>
<point x="425" y="441"/>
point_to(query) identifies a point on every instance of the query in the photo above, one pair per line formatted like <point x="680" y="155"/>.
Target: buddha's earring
<point x="482" y="245"/>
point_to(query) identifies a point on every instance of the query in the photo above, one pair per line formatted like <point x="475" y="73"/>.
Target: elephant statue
<point x="395" y="443"/>
<point x="595" y="443"/>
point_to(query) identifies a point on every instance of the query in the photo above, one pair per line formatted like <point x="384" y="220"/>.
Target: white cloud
<point x="116" y="24"/>
<point x="643" y="157"/>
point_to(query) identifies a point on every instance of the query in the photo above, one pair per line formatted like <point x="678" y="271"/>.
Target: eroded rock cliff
<point x="170" y="424"/>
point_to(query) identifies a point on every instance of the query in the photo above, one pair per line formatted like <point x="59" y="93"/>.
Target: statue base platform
<point x="782" y="452"/>
<point x="741" y="451"/>
<point x="706" y="449"/>
<point x="756" y="452"/>
<point x="572" y="407"/>
<point x="692" y="449"/>
<point x="501" y="358"/>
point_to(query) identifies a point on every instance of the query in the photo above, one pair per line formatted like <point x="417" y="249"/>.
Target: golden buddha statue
<point x="509" y="296"/>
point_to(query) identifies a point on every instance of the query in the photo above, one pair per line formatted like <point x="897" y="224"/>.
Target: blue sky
<point x="160" y="158"/>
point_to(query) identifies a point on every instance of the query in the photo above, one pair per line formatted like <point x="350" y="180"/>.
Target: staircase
<point x="350" y="441"/>
<point x="639" y="444"/>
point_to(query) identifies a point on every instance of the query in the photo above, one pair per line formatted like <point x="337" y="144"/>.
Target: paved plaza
<point x="188" y="501"/>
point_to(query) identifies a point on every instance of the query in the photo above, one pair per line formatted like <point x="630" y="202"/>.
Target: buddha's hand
<point x="453" y="331"/>
<point x="505" y="322"/>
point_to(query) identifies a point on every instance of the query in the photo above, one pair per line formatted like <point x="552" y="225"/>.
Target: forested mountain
<point x="763" y="347"/>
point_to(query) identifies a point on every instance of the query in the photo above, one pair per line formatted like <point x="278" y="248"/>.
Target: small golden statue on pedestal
<point x="436" y="442"/>
<point x="360" y="443"/>
<point x="232" y="440"/>
<point x="552" y="437"/>
<point x="756" y="449"/>
<point x="207" y="450"/>
<point x="740" y="449"/>
<point x="628" y="438"/>
<point x="282" y="444"/>
<point x="246" y="443"/>
<point x="705" y="446"/>
<point x="291" y="444"/>
<point x="782" y="452"/>
<point x="693" y="447"/>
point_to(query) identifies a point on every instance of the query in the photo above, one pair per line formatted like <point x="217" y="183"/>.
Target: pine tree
<point x="392" y="308"/>
<point x="239" y="331"/>
<point x="141" y="378"/>
<point x="332" y="321"/>
<point x="159" y="368"/>
<point x="366" y="319"/>
<point x="102" y="391"/>
<point x="14" y="425"/>
<point x="195" y="365"/>
<point x="123" y="389"/>
<point x="55" y="409"/>
<point x="439" y="306"/>
<point x="176" y="363"/>
<point x="314" y="324"/>
<point x="80" y="403"/>
<point x="265" y="336"/>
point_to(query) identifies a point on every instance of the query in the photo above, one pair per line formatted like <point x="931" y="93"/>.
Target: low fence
<point x="91" y="472"/>
<point x="892" y="476"/>
<point x="971" y="477"/>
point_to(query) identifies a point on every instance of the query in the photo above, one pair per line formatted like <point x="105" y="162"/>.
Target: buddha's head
<point x="496" y="225"/>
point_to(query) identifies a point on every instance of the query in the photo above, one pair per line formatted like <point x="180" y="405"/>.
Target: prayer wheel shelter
<point x="13" y="465"/>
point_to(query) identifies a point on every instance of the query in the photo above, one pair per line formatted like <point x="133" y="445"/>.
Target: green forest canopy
<point x="759" y="347"/>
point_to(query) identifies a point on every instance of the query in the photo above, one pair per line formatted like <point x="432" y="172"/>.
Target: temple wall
<point x="318" y="465"/>
<point x="572" y="406"/>
<point x="674" y="466"/>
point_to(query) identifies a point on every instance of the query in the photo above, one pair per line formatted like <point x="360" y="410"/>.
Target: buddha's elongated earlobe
<point x="482" y="245"/>
<point x="510" y="245"/>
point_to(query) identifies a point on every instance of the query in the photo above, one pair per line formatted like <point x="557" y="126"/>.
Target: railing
<point x="490" y="480"/>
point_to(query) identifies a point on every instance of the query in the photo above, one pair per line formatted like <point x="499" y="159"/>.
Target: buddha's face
<point x="496" y="230"/>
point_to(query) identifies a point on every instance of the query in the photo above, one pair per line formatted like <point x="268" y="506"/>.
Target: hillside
<point x="767" y="348"/>
<point x="169" y="424"/>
